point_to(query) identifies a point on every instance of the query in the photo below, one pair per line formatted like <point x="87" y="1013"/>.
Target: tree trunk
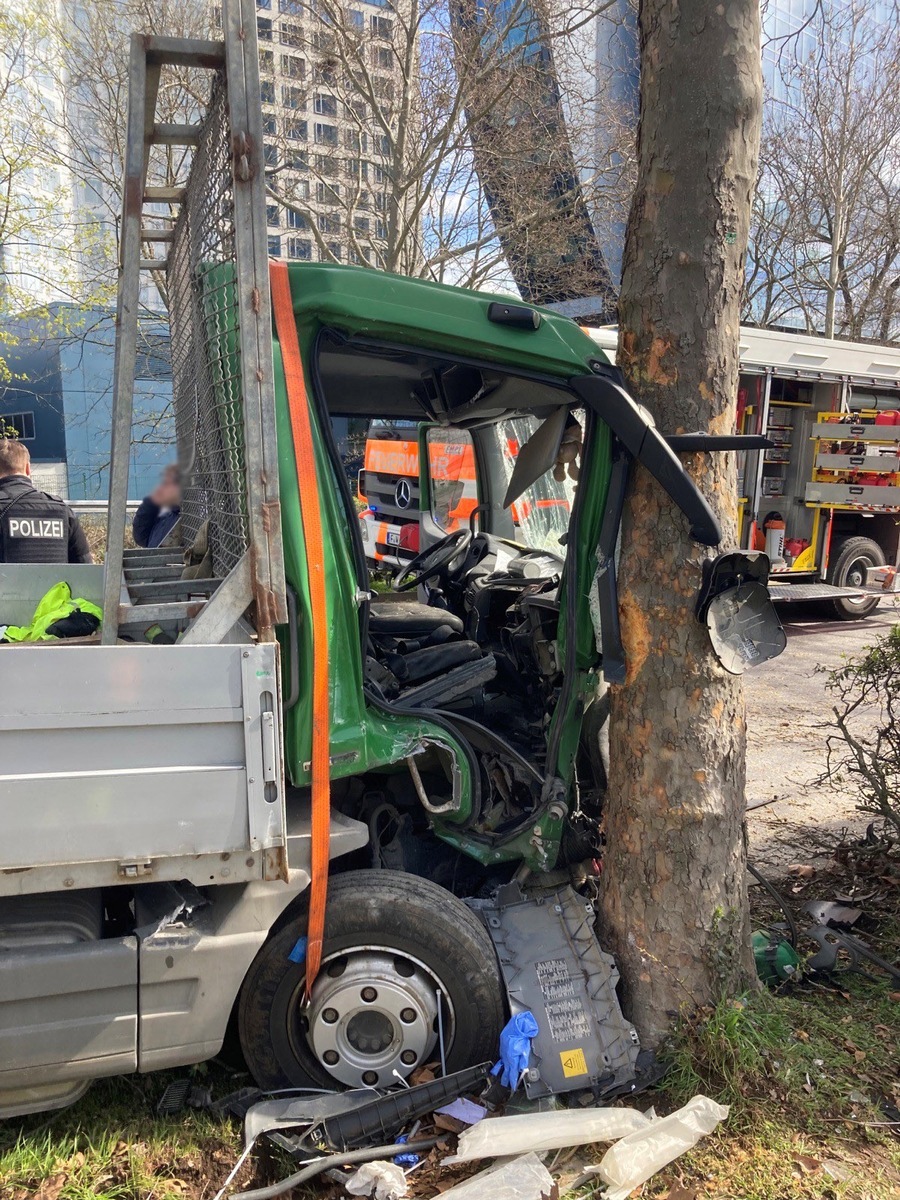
<point x="675" y="899"/>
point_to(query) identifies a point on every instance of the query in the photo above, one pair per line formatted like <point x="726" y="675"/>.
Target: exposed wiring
<point x="310" y="1170"/>
<point x="793" y="935"/>
<point x="234" y="1170"/>
<point x="440" y="1018"/>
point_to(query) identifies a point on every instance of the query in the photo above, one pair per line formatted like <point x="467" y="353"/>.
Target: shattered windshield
<point x="541" y="513"/>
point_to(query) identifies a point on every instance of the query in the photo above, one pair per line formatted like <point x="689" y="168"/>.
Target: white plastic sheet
<point x="636" y="1157"/>
<point x="524" y="1178"/>
<point x="382" y="1180"/>
<point x="497" y="1137"/>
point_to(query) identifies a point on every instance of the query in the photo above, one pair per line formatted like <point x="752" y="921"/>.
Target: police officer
<point x="34" y="527"/>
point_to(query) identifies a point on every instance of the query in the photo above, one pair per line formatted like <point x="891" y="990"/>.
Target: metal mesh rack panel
<point x="206" y="365"/>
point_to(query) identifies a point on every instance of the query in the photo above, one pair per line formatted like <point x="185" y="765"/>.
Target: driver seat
<point x="410" y="619"/>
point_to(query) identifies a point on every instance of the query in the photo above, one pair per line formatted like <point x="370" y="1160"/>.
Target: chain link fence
<point x="206" y="366"/>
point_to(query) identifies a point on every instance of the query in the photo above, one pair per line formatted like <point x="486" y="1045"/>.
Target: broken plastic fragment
<point x="298" y="954"/>
<point x="524" y="1178"/>
<point x="515" y="1048"/>
<point x="466" y="1111"/>
<point x="382" y="1180"/>
<point x="500" y="1136"/>
<point x="635" y="1158"/>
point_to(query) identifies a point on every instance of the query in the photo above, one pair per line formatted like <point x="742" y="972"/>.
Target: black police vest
<point x="34" y="527"/>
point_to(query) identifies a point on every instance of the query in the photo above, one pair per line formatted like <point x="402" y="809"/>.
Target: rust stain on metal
<point x="271" y="515"/>
<point x="259" y="375"/>
<point x="266" y="608"/>
<point x="275" y="863"/>
<point x="240" y="153"/>
<point x="264" y="599"/>
<point x="255" y="302"/>
<point x="194" y="610"/>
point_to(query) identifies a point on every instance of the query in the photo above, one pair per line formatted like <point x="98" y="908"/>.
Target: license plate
<point x="393" y="537"/>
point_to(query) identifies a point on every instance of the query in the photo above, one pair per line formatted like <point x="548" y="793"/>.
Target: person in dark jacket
<point x="35" y="527"/>
<point x="158" y="513"/>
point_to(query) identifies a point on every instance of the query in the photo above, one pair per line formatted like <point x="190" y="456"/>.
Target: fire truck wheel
<point x="406" y="966"/>
<point x="848" y="569"/>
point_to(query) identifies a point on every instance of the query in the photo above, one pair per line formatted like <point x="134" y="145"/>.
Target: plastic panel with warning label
<point x="553" y="965"/>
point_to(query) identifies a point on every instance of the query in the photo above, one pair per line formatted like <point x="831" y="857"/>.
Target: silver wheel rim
<point x="856" y="577"/>
<point x="373" y="1015"/>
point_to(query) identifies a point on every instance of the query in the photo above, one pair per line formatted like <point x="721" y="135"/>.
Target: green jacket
<point x="54" y="605"/>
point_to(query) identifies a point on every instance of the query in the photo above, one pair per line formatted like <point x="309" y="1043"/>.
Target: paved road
<point x="787" y="710"/>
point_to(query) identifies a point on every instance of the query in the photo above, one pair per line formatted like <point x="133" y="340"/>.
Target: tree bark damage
<point x="675" y="901"/>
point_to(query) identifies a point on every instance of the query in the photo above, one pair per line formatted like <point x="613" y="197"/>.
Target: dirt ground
<point x="787" y="711"/>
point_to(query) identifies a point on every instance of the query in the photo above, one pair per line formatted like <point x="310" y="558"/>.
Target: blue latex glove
<point x="405" y="1160"/>
<point x="515" y="1047"/>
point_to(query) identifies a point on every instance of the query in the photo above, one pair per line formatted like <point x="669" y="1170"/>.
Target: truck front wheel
<point x="405" y="967"/>
<point x="848" y="569"/>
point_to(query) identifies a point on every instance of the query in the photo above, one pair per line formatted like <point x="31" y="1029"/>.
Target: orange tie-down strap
<point x="310" y="512"/>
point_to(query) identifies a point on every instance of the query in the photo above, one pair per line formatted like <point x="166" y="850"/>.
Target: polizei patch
<point x="35" y="527"/>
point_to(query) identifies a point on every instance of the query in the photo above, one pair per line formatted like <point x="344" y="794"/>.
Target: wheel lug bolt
<point x="408" y="1057"/>
<point x="369" y="995"/>
<point x="331" y="1057"/>
<point x="408" y="1016"/>
<point x="330" y="1015"/>
<point x="370" y="1078"/>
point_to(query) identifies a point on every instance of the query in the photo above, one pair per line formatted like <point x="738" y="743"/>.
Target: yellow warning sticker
<point x="573" y="1062"/>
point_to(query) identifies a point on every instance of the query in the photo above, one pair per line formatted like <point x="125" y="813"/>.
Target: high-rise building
<point x="789" y="27"/>
<point x="598" y="68"/>
<point x="36" y="264"/>
<point x="600" y="58"/>
<point x="329" y="77"/>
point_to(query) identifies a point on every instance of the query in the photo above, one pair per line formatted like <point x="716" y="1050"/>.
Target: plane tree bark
<point x="675" y="900"/>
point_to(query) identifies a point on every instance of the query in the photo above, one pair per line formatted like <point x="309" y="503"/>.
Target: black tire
<point x="403" y="913"/>
<point x="847" y="569"/>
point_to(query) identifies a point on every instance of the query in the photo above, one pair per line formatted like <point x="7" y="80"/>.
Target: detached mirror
<point x="744" y="628"/>
<point x="735" y="606"/>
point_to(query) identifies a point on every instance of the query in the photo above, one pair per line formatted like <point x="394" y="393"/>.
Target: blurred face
<point x="168" y="491"/>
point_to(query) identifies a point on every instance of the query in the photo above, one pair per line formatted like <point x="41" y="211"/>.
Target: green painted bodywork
<point x="446" y="321"/>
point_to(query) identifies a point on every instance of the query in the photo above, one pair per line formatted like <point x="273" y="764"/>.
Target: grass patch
<point x="111" y="1145"/>
<point x="813" y="1051"/>
<point x="806" y="1074"/>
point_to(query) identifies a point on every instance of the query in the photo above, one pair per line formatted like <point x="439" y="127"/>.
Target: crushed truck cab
<point x="365" y="820"/>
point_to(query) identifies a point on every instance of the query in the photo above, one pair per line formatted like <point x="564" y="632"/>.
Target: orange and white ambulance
<point x="390" y="487"/>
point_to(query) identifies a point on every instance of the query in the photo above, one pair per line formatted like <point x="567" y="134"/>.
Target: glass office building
<point x="606" y="49"/>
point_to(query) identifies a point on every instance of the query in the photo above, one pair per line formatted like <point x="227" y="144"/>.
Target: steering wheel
<point x="432" y="561"/>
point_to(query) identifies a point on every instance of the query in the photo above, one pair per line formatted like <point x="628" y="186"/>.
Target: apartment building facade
<point x="330" y="77"/>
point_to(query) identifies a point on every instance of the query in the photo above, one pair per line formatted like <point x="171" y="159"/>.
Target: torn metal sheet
<point x="161" y="905"/>
<point x="553" y="965"/>
<point x="829" y="912"/>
